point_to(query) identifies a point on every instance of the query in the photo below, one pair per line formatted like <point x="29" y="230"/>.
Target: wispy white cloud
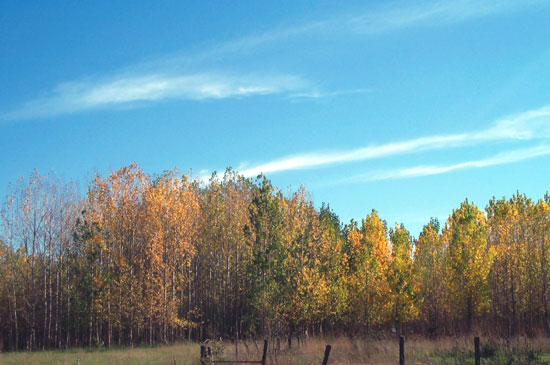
<point x="77" y="96"/>
<point x="371" y="20"/>
<point x="318" y="94"/>
<point x="313" y="160"/>
<point x="426" y="170"/>
<point x="162" y="79"/>
<point x="528" y="125"/>
<point x="430" y="13"/>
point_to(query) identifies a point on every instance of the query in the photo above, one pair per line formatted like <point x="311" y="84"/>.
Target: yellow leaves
<point x="183" y="323"/>
<point x="469" y="260"/>
<point x="354" y="242"/>
<point x="165" y="253"/>
<point x="366" y="268"/>
<point x="143" y="232"/>
<point x="400" y="276"/>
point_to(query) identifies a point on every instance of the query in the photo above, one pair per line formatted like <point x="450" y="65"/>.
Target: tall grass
<point x="185" y="353"/>
<point x="418" y="350"/>
<point x="345" y="350"/>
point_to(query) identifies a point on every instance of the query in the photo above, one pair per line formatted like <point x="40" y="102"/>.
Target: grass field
<point x="185" y="353"/>
<point x="344" y="351"/>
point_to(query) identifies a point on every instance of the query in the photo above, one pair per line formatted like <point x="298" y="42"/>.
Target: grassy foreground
<point x="344" y="351"/>
<point x="184" y="353"/>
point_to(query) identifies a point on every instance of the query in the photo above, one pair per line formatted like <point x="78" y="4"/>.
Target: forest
<point x="143" y="259"/>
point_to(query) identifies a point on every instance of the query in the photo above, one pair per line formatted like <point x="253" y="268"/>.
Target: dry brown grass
<point x="449" y="350"/>
<point x="418" y="350"/>
<point x="186" y="353"/>
<point x="344" y="351"/>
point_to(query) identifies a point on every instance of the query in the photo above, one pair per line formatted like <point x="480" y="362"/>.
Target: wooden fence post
<point x="203" y="353"/>
<point x="264" y="356"/>
<point x="476" y="349"/>
<point x="327" y="353"/>
<point x="401" y="350"/>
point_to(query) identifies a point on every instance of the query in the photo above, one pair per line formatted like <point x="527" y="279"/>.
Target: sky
<point x="403" y="107"/>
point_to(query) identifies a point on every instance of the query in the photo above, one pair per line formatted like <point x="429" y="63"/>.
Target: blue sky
<point x="404" y="107"/>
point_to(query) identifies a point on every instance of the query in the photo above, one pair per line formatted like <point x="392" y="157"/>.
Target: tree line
<point x="154" y="259"/>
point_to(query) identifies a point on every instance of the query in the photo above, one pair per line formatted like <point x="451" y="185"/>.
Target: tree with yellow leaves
<point x="538" y="263"/>
<point x="114" y="210"/>
<point x="509" y="222"/>
<point x="468" y="262"/>
<point x="368" y="257"/>
<point x="400" y="278"/>
<point x="429" y="276"/>
<point x="170" y="211"/>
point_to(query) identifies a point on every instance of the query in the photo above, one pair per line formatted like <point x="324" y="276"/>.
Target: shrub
<point x="489" y="350"/>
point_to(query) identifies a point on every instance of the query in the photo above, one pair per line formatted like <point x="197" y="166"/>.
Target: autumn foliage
<point x="146" y="260"/>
